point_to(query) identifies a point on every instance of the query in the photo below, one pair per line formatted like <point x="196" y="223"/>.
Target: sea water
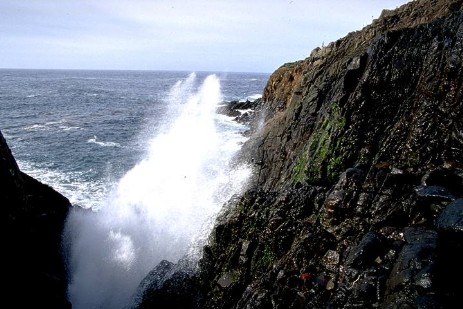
<point x="142" y="156"/>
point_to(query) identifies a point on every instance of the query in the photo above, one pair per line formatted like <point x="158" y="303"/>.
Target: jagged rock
<point x="317" y="125"/>
<point x="168" y="285"/>
<point x="413" y="275"/>
<point x="32" y="221"/>
<point x="155" y="278"/>
<point x="359" y="154"/>
<point x="444" y="178"/>
<point x="227" y="279"/>
<point x="435" y="192"/>
<point x="242" y="112"/>
<point x="451" y="218"/>
<point x="418" y="254"/>
<point x="369" y="248"/>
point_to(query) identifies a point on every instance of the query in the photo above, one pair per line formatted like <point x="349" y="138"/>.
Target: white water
<point x="102" y="144"/>
<point x="161" y="209"/>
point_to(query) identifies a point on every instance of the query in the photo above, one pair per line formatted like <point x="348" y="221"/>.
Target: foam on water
<point x="36" y="127"/>
<point x="103" y="144"/>
<point x="49" y="125"/>
<point x="163" y="207"/>
<point x="76" y="186"/>
<point x="69" y="128"/>
<point x="254" y="97"/>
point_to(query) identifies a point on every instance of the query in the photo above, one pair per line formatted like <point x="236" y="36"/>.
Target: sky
<point x="185" y="35"/>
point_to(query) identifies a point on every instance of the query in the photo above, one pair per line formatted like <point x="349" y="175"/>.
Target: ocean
<point x="142" y="156"/>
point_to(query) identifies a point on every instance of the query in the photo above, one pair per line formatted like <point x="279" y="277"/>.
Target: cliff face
<point x="369" y="97"/>
<point x="32" y="219"/>
<point x="357" y="196"/>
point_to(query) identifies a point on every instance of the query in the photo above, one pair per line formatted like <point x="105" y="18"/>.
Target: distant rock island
<point x="357" y="196"/>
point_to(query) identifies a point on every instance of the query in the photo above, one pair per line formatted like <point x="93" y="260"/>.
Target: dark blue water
<point x="81" y="131"/>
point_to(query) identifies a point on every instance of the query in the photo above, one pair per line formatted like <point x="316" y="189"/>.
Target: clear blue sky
<point x="195" y="35"/>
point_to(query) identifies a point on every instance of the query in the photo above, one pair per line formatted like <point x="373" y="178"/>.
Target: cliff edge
<point x="32" y="220"/>
<point x="357" y="196"/>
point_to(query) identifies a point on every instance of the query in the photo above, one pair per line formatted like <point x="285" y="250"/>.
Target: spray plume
<point x="163" y="207"/>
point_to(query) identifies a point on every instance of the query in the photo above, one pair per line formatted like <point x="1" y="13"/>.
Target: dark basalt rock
<point x="444" y="178"/>
<point x="32" y="221"/>
<point x="356" y="196"/>
<point x="369" y="248"/>
<point x="451" y="218"/>
<point x="169" y="286"/>
<point x="242" y="112"/>
<point x="435" y="192"/>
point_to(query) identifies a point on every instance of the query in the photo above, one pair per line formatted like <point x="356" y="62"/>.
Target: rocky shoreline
<point x="243" y="112"/>
<point x="357" y="195"/>
<point x="356" y="199"/>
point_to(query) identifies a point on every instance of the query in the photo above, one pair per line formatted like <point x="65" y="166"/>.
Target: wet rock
<point x="357" y="149"/>
<point x="430" y="301"/>
<point x="155" y="278"/>
<point x="338" y="204"/>
<point x="370" y="247"/>
<point x="426" y="277"/>
<point x="241" y="111"/>
<point x="434" y="192"/>
<point x="227" y="279"/>
<point x="331" y="260"/>
<point x="451" y="218"/>
<point x="169" y="285"/>
<point x="417" y="254"/>
<point x="443" y="178"/>
<point x="333" y="202"/>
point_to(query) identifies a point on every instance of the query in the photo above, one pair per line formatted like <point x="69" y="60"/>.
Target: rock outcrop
<point x="32" y="220"/>
<point x="357" y="194"/>
<point x="241" y="112"/>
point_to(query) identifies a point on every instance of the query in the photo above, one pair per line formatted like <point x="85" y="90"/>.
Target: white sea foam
<point x="252" y="97"/>
<point x="86" y="194"/>
<point x="69" y="128"/>
<point x="52" y="123"/>
<point x="102" y="144"/>
<point x="6" y="135"/>
<point x="162" y="208"/>
<point x="243" y="111"/>
<point x="36" y="127"/>
<point x="45" y="126"/>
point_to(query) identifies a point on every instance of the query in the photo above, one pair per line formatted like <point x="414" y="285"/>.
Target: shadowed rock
<point x="32" y="220"/>
<point x="451" y="218"/>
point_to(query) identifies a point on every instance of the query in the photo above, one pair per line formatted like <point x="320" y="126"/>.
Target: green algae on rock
<point x="357" y="163"/>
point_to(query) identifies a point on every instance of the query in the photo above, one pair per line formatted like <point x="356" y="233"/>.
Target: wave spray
<point x="163" y="207"/>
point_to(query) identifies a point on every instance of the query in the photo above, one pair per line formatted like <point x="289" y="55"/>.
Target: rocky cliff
<point x="357" y="194"/>
<point x="32" y="219"/>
